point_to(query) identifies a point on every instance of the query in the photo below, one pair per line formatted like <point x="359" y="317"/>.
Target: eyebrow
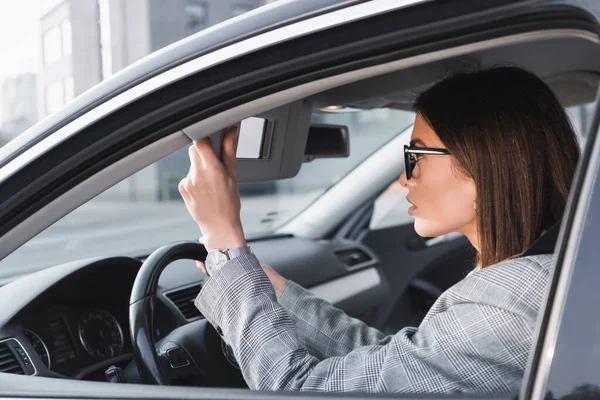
<point x="415" y="141"/>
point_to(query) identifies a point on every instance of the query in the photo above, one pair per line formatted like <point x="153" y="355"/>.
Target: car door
<point x="566" y="360"/>
<point x="29" y="187"/>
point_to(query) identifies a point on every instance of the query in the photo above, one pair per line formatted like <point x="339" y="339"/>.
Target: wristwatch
<point x="216" y="258"/>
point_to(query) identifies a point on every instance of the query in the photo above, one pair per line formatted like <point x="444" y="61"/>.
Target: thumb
<point x="202" y="267"/>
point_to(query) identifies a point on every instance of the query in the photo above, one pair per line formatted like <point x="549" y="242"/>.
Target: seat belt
<point x="546" y="243"/>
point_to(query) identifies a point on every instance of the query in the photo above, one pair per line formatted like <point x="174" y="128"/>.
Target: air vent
<point x="184" y="301"/>
<point x="353" y="257"/>
<point x="8" y="358"/>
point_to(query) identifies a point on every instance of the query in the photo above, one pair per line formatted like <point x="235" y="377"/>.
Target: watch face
<point x="215" y="260"/>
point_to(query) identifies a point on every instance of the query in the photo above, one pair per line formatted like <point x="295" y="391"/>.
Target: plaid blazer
<point x="476" y="337"/>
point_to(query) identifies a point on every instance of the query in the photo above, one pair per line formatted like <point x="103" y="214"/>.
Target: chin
<point x="429" y="229"/>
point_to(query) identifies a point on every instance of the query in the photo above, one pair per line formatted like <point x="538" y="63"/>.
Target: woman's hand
<point x="211" y="194"/>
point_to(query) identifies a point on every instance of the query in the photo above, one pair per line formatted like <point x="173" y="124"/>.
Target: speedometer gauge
<point x="100" y="334"/>
<point x="39" y="346"/>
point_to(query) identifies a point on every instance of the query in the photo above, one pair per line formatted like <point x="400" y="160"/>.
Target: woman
<point x="492" y="156"/>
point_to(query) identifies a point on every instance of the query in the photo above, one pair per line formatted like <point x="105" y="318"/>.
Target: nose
<point x="405" y="182"/>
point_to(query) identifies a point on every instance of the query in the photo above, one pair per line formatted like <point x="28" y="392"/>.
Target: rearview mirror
<point x="327" y="141"/>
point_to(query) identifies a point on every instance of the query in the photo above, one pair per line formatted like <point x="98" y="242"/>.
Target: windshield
<point x="146" y="211"/>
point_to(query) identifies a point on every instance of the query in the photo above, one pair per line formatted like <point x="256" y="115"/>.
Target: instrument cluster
<point x="69" y="340"/>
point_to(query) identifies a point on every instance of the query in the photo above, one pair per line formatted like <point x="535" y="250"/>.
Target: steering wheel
<point x="191" y="353"/>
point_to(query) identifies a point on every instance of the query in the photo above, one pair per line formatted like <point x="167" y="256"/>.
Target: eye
<point x="417" y="156"/>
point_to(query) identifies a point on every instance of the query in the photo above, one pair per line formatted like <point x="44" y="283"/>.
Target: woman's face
<point x="442" y="197"/>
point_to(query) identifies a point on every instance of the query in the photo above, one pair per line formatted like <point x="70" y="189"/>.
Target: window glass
<point x="105" y="38"/>
<point x="52" y="46"/>
<point x="66" y="37"/>
<point x="196" y="17"/>
<point x="97" y="37"/>
<point x="69" y="89"/>
<point x="54" y="97"/>
<point x="146" y="211"/>
<point x="240" y="9"/>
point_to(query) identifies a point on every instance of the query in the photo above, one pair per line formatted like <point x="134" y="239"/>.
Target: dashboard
<point x="73" y="320"/>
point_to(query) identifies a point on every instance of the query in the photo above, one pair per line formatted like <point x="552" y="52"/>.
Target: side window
<point x="145" y="210"/>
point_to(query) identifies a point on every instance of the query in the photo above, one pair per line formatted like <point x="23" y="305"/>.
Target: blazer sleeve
<point x="325" y="330"/>
<point x="469" y="347"/>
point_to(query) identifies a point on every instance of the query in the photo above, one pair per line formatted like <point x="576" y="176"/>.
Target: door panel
<point x="21" y="386"/>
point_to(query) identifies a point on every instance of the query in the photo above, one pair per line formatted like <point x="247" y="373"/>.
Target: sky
<point x="20" y="36"/>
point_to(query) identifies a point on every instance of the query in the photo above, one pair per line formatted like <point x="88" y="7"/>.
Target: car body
<point x="293" y="59"/>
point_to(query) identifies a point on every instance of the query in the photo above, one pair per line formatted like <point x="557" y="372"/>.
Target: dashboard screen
<point x="60" y="344"/>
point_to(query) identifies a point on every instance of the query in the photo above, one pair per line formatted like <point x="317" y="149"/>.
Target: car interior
<point x="74" y="320"/>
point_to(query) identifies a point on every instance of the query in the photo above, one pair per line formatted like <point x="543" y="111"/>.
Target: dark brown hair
<point x="507" y="131"/>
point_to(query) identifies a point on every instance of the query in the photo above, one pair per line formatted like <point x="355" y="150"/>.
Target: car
<point x="92" y="289"/>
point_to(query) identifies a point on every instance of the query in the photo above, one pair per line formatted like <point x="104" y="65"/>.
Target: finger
<point x="201" y="266"/>
<point x="229" y="150"/>
<point x="205" y="152"/>
<point x="195" y="160"/>
<point x="182" y="189"/>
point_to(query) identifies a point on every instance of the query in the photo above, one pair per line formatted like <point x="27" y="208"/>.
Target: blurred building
<point x="70" y="53"/>
<point x="86" y="41"/>
<point x="134" y="28"/>
<point x="18" y="105"/>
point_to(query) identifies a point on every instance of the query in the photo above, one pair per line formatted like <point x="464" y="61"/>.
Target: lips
<point x="412" y="209"/>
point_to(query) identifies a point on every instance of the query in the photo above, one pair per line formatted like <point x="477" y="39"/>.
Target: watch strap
<point x="238" y="251"/>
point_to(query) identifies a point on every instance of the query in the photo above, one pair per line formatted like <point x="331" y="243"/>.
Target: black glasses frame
<point x="410" y="161"/>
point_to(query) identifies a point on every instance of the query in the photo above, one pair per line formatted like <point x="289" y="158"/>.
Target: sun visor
<point x="270" y="144"/>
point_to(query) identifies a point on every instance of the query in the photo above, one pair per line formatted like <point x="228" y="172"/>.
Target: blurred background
<point x="54" y="50"/>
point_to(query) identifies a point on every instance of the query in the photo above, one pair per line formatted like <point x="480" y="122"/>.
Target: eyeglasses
<point x="410" y="161"/>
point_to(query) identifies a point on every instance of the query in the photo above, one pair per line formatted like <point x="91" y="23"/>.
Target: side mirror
<point x="327" y="141"/>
